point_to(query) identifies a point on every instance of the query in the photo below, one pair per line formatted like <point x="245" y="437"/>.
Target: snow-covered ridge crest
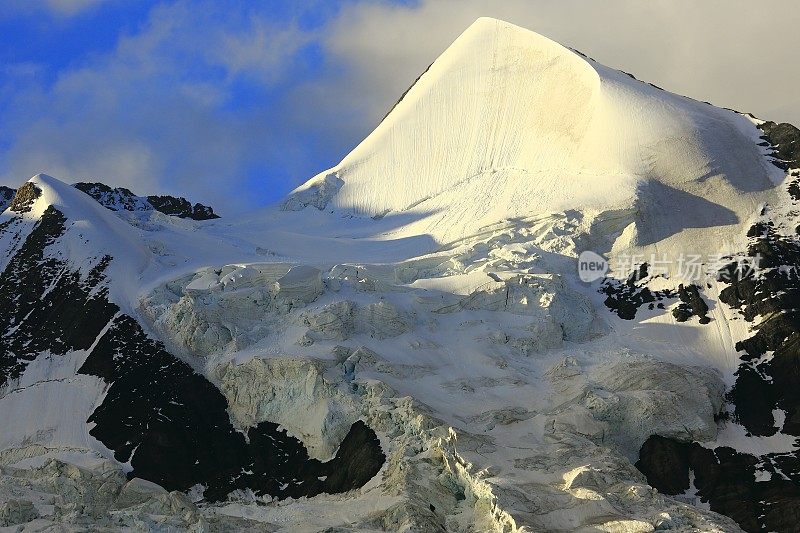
<point x="514" y="152"/>
<point x="507" y="123"/>
<point x="92" y="229"/>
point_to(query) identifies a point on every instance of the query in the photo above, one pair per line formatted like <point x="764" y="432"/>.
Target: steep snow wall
<point x="507" y="123"/>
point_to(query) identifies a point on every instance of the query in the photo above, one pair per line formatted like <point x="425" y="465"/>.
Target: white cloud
<point x="736" y="53"/>
<point x="159" y="113"/>
<point x="155" y="115"/>
<point x="261" y="50"/>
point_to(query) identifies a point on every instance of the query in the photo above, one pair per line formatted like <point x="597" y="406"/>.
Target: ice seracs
<point x="404" y="344"/>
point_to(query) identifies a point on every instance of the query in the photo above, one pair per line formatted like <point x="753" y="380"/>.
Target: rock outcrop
<point x="6" y="195"/>
<point x="122" y="199"/>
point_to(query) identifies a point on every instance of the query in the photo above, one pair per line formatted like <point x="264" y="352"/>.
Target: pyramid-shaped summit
<point x="507" y="123"/>
<point x="409" y="345"/>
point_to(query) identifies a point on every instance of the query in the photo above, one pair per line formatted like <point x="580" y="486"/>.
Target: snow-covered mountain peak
<point x="90" y="231"/>
<point x="508" y="124"/>
<point x="409" y="344"/>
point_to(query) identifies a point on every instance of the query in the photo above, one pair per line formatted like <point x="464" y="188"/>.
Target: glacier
<point x="404" y="343"/>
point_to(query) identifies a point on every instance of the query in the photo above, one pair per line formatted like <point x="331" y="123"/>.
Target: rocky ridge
<point x="402" y="357"/>
<point x="122" y="199"/>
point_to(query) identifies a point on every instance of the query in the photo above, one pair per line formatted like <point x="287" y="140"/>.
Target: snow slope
<point x="506" y="123"/>
<point x="426" y="287"/>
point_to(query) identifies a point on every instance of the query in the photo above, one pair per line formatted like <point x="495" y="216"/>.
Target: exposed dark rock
<point x="6" y="195"/>
<point x="581" y="54"/>
<point x="625" y="298"/>
<point x="170" y="423"/>
<point x="24" y="198"/>
<point x="785" y="140"/>
<point x="115" y="199"/>
<point x="173" y="426"/>
<point x="122" y="199"/>
<point x="794" y="191"/>
<point x="625" y="301"/>
<point x="754" y="399"/>
<point x="43" y="305"/>
<point x="640" y="273"/>
<point x="774" y="297"/>
<point x="726" y="480"/>
<point x="765" y="287"/>
<point x="665" y="464"/>
<point x="181" y="207"/>
<point x="692" y="304"/>
<point x="358" y="460"/>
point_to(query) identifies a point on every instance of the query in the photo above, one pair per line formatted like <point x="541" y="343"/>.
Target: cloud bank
<point x="209" y="99"/>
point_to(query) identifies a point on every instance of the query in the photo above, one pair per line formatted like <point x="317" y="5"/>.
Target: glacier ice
<point x="426" y="288"/>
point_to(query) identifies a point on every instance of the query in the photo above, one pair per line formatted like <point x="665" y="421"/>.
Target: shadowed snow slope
<point x="507" y="123"/>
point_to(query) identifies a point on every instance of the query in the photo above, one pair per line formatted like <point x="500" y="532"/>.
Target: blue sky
<point x="234" y="103"/>
<point x="171" y="96"/>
